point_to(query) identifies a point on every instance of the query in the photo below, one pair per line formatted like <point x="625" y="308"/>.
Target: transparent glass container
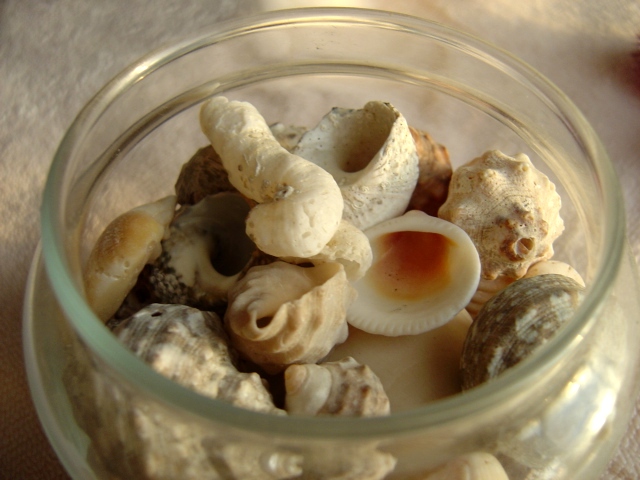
<point x="559" y="414"/>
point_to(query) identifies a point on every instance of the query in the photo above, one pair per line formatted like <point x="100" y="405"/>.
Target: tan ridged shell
<point x="424" y="271"/>
<point x="473" y="466"/>
<point x="280" y="314"/>
<point x="206" y="252"/>
<point x="190" y="347"/>
<point x="435" y="174"/>
<point x="514" y="323"/>
<point x="126" y="245"/>
<point x="371" y="155"/>
<point x="510" y="210"/>
<point x="341" y="388"/>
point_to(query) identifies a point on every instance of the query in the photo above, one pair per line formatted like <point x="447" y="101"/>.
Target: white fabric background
<point x="54" y="54"/>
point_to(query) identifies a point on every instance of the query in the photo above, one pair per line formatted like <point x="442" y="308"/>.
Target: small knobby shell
<point x="514" y="323"/>
<point x="280" y="314"/>
<point x="424" y="271"/>
<point x="341" y="388"/>
<point x="207" y="250"/>
<point x="435" y="174"/>
<point x="190" y="347"/>
<point x="372" y="157"/>
<point x="125" y="246"/>
<point x="510" y="210"/>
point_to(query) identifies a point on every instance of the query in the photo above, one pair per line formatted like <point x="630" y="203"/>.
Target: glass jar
<point x="558" y="414"/>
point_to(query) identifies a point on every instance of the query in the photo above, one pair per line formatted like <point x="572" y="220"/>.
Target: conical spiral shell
<point x="280" y="314"/>
<point x="341" y="388"/>
<point x="514" y="323"/>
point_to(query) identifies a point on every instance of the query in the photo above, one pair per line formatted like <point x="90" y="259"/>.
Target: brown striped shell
<point x="514" y="323"/>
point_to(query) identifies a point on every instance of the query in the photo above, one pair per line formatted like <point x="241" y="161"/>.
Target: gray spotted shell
<point x="514" y="323"/>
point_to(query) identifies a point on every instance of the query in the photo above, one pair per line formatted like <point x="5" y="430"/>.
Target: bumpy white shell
<point x="190" y="347"/>
<point x="299" y="204"/>
<point x="349" y="246"/>
<point x="372" y="156"/>
<point x="280" y="314"/>
<point x="341" y="388"/>
<point x="510" y="210"/>
<point x="424" y="271"/>
<point x="125" y="246"/>
<point x="207" y="250"/>
<point x="473" y="466"/>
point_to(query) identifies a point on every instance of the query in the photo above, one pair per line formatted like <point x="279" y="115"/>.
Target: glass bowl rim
<point x="449" y="409"/>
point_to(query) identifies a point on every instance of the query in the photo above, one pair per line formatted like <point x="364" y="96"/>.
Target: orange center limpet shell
<point x="424" y="271"/>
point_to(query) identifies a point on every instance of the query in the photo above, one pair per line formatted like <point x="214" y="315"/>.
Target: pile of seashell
<point x="282" y="244"/>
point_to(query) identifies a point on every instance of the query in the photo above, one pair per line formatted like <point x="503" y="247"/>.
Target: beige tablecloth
<point x="54" y="54"/>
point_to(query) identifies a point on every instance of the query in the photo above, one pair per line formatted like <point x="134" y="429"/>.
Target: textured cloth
<point x="54" y="54"/>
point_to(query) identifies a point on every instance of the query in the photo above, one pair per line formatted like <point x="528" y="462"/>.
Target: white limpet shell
<point x="190" y="347"/>
<point x="372" y="156"/>
<point x="473" y="466"/>
<point x="341" y="388"/>
<point x="280" y="314"/>
<point x="299" y="204"/>
<point x="125" y="246"/>
<point x="349" y="246"/>
<point x="510" y="210"/>
<point x="424" y="271"/>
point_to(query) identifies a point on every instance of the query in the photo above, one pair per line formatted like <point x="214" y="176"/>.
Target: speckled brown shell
<point x="434" y="174"/>
<point x="202" y="175"/>
<point x="514" y="323"/>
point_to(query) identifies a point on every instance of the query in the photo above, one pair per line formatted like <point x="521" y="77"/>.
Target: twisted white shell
<point x="281" y="314"/>
<point x="510" y="210"/>
<point x="340" y="388"/>
<point x="190" y="347"/>
<point x="372" y="156"/>
<point x="424" y="271"/>
<point x="125" y="246"/>
<point x="300" y="204"/>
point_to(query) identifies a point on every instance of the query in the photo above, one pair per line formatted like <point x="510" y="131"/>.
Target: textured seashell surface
<point x="341" y="388"/>
<point x="206" y="252"/>
<point x="424" y="271"/>
<point x="202" y="175"/>
<point x="280" y="314"/>
<point x="190" y="347"/>
<point x="125" y="246"/>
<point x="372" y="157"/>
<point x="514" y="323"/>
<point x="299" y="204"/>
<point x="473" y="466"/>
<point x="510" y="210"/>
<point x="435" y="174"/>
